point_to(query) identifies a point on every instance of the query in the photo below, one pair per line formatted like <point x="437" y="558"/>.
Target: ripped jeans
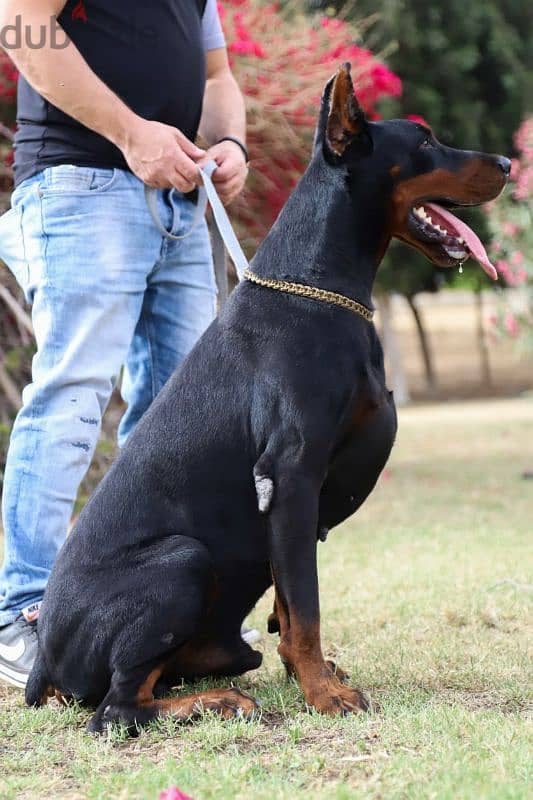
<point x="106" y="290"/>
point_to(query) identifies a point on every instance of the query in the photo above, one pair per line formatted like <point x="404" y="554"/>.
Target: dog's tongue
<point x="457" y="227"/>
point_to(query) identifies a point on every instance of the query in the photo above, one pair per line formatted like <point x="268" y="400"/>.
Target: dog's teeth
<point x="455" y="253"/>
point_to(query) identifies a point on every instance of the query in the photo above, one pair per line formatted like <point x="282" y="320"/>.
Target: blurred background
<point x="464" y="67"/>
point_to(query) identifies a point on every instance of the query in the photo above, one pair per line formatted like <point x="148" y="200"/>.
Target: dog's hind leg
<point x="171" y="585"/>
<point x="38" y="687"/>
<point x="139" y="707"/>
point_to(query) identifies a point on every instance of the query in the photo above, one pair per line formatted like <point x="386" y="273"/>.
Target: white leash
<point x="223" y="234"/>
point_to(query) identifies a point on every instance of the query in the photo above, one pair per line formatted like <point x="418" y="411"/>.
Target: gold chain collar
<point x="302" y="290"/>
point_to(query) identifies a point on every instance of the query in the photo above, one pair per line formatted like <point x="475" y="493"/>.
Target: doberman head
<point x="399" y="172"/>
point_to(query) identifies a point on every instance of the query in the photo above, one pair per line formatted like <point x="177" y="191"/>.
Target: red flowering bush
<point x="8" y="90"/>
<point x="8" y="79"/>
<point x="511" y="222"/>
<point x="281" y="62"/>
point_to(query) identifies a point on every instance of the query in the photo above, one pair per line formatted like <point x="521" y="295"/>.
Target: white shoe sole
<point x="251" y="636"/>
<point x="12" y="677"/>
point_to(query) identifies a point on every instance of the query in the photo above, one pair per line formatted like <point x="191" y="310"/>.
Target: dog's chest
<point x="370" y="400"/>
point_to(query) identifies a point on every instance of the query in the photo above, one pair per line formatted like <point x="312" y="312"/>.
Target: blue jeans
<point x="106" y="290"/>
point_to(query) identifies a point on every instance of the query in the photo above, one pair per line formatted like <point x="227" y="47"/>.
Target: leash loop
<point x="224" y="237"/>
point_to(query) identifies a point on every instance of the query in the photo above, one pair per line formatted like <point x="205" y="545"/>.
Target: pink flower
<point x="515" y="169"/>
<point x="246" y="47"/>
<point x="524" y="184"/>
<point x="511" y="325"/>
<point x="174" y="794"/>
<point x="385" y="81"/>
<point x="523" y="138"/>
<point x="510" y="228"/>
<point x="332" y="24"/>
<point x="517" y="258"/>
<point x="503" y="267"/>
<point x="419" y="119"/>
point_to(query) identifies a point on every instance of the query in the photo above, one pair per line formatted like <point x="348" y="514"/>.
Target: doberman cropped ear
<point x="345" y="120"/>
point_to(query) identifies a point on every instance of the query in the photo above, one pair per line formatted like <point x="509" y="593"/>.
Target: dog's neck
<point x="324" y="237"/>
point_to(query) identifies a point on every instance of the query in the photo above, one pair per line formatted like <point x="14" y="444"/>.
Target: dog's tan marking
<point x="321" y="681"/>
<point x="228" y="703"/>
<point x="345" y="115"/>
<point x="145" y="693"/>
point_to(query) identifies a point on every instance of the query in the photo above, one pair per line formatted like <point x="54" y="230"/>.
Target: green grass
<point x="426" y="601"/>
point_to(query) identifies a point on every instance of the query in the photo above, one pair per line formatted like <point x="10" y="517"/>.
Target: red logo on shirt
<point x="79" y="12"/>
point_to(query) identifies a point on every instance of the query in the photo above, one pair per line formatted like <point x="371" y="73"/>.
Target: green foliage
<point x="466" y="66"/>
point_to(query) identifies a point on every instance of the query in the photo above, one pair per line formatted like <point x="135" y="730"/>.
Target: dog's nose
<point x="504" y="164"/>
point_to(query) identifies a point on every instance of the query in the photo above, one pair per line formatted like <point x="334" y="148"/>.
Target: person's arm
<point x="158" y="154"/>
<point x="224" y="114"/>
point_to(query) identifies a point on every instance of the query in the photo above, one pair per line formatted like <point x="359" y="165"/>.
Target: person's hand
<point x="230" y="176"/>
<point x="162" y="156"/>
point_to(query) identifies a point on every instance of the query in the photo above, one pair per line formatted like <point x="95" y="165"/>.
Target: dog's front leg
<point x="293" y="521"/>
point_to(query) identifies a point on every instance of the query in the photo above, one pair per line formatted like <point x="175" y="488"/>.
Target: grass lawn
<point x="425" y="600"/>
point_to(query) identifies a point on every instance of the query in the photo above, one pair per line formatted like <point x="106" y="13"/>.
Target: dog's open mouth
<point x="435" y="225"/>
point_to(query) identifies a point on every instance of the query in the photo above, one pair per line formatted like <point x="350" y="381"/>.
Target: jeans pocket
<point x="68" y="179"/>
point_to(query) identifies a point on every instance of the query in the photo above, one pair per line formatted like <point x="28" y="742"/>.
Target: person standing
<point x="110" y="99"/>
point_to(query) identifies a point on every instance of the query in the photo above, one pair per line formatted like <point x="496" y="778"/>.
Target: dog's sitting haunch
<point x="275" y="430"/>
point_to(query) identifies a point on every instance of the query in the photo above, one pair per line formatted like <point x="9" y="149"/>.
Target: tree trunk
<point x="8" y="387"/>
<point x="427" y="356"/>
<point x="484" y="357"/>
<point x="391" y="346"/>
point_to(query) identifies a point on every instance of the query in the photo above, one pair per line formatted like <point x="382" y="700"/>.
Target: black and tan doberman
<point x="275" y="430"/>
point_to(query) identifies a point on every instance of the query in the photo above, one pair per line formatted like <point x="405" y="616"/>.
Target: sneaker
<point x="18" y="647"/>
<point x="251" y="635"/>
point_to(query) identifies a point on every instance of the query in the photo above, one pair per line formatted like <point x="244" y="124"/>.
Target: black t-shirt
<point x="150" y="54"/>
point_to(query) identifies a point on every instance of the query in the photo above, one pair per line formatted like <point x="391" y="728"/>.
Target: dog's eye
<point x="426" y="142"/>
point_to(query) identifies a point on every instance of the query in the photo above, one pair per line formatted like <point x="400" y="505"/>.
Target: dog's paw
<point x="333" y="698"/>
<point x="227" y="703"/>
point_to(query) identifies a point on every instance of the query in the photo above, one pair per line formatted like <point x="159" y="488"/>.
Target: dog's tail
<point x="39" y="687"/>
